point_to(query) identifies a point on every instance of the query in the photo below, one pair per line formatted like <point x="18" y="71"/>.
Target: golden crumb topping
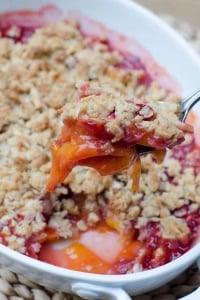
<point x="117" y="113"/>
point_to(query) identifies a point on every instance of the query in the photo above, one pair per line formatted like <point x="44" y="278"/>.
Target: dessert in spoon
<point x="109" y="133"/>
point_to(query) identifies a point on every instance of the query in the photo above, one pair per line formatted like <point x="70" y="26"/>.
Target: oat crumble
<point x="160" y="117"/>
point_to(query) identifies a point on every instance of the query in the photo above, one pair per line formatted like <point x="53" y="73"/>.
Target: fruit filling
<point x="93" y="105"/>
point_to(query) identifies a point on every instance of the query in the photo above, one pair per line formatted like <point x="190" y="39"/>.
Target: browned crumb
<point x="162" y="118"/>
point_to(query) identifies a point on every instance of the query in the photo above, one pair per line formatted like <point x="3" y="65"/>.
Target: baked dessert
<point x="148" y="228"/>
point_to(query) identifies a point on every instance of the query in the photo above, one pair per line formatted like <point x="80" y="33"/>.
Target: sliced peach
<point x="77" y="146"/>
<point x="75" y="256"/>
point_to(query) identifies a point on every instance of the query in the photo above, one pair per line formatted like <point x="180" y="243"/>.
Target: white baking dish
<point x="171" y="52"/>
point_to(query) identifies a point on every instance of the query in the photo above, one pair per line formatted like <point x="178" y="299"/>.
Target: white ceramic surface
<point x="176" y="56"/>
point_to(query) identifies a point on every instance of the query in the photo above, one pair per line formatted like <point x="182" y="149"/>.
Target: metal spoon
<point x="186" y="105"/>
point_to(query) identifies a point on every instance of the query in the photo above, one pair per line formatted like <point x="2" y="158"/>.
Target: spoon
<point x="186" y="105"/>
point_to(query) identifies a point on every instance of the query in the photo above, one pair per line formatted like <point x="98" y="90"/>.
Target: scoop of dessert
<point x="105" y="131"/>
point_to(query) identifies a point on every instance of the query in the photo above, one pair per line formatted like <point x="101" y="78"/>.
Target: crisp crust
<point x="116" y="114"/>
<point x="37" y="79"/>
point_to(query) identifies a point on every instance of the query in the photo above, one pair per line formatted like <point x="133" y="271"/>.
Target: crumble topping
<point x="39" y="78"/>
<point x="172" y="226"/>
<point x="117" y="113"/>
<point x="80" y="179"/>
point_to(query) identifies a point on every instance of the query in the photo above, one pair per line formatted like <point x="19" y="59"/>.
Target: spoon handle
<point x="188" y="103"/>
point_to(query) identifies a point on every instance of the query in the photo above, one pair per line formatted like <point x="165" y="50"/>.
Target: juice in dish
<point x="150" y="227"/>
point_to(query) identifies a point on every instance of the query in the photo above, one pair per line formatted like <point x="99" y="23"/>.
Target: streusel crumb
<point x="117" y="113"/>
